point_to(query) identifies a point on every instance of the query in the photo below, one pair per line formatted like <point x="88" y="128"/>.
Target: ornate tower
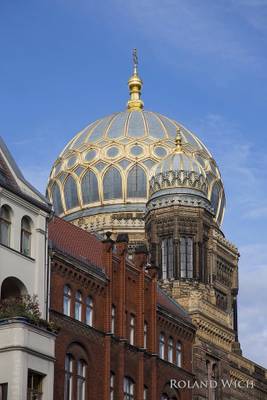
<point x="198" y="266"/>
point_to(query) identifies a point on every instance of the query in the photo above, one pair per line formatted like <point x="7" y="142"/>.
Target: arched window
<point x="145" y="396"/>
<point x="162" y="346"/>
<point x="215" y="196"/>
<point x="145" y="334"/>
<point x="70" y="193"/>
<point x="67" y="300"/>
<point x="78" y="306"/>
<point x="81" y="379"/>
<point x="112" y="185"/>
<point x="25" y="236"/>
<point x="113" y="319"/>
<point x="167" y="258"/>
<point x="12" y="288"/>
<point x="89" y="311"/>
<point x="112" y="384"/>
<point x="68" y="377"/>
<point x="186" y="257"/>
<point x="56" y="197"/>
<point x="5" y="225"/>
<point x="89" y="188"/>
<point x="178" y="354"/>
<point x="170" y="349"/>
<point x="136" y="182"/>
<point x="128" y="388"/>
<point x="132" y="329"/>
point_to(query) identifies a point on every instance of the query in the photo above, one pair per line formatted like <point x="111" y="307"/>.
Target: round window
<point x="90" y="155"/>
<point x="160" y="151"/>
<point x="136" y="151"/>
<point x="112" y="152"/>
<point x="71" y="161"/>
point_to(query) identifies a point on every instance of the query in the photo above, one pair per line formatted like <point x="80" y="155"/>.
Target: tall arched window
<point x="89" y="188"/>
<point x="186" y="257"/>
<point x="145" y="334"/>
<point x="78" y="306"/>
<point x="112" y="184"/>
<point x="136" y="182"/>
<point x="81" y="379"/>
<point x="162" y="346"/>
<point x="67" y="300"/>
<point x="68" y="377"/>
<point x="215" y="196"/>
<point x="128" y="388"/>
<point x="178" y="354"/>
<point x="112" y="384"/>
<point x="5" y="225"/>
<point x="56" y="196"/>
<point x="167" y="258"/>
<point x="89" y="311"/>
<point x="113" y="319"/>
<point x="170" y="349"/>
<point x="25" y="236"/>
<point x="70" y="193"/>
<point x="132" y="329"/>
<point x="145" y="396"/>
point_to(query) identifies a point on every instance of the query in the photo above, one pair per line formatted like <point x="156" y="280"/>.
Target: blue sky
<point x="65" y="63"/>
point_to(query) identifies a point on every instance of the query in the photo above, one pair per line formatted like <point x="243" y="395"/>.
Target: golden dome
<point x="103" y="173"/>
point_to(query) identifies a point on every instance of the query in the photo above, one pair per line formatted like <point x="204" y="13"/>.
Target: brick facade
<point x="130" y="289"/>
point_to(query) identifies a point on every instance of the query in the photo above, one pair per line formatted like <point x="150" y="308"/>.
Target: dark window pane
<point x="70" y="192"/>
<point x="89" y="188"/>
<point x="136" y="182"/>
<point x="57" y="199"/>
<point x="112" y="186"/>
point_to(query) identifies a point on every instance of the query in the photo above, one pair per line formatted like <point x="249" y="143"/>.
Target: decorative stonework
<point x="177" y="179"/>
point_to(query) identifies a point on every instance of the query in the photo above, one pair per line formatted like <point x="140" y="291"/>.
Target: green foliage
<point x="24" y="307"/>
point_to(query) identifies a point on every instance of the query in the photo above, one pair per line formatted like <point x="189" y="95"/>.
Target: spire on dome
<point x="135" y="85"/>
<point x="178" y="141"/>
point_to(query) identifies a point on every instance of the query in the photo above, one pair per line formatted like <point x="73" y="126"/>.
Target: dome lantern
<point x="135" y="85"/>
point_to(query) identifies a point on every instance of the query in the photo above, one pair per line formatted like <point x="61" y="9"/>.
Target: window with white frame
<point x="78" y="305"/>
<point x="81" y="379"/>
<point x="132" y="329"/>
<point x="128" y="388"/>
<point x="67" y="300"/>
<point x="113" y="319"/>
<point x="5" y="225"/>
<point x="68" y="377"/>
<point x="25" y="236"/>
<point x="112" y="382"/>
<point x="145" y="334"/>
<point x="178" y="354"/>
<point x="89" y="311"/>
<point x="162" y="346"/>
<point x="145" y="397"/>
<point x="170" y="349"/>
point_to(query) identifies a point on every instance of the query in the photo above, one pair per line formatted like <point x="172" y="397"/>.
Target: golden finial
<point x="178" y="140"/>
<point x="135" y="85"/>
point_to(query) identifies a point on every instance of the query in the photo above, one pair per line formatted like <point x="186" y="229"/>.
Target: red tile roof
<point x="75" y="241"/>
<point x="84" y="246"/>
<point x="166" y="302"/>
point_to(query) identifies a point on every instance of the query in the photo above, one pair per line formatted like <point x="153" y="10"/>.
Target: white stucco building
<point x="26" y="348"/>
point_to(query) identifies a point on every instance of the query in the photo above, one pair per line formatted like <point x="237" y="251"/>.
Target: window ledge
<point x="17" y="252"/>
